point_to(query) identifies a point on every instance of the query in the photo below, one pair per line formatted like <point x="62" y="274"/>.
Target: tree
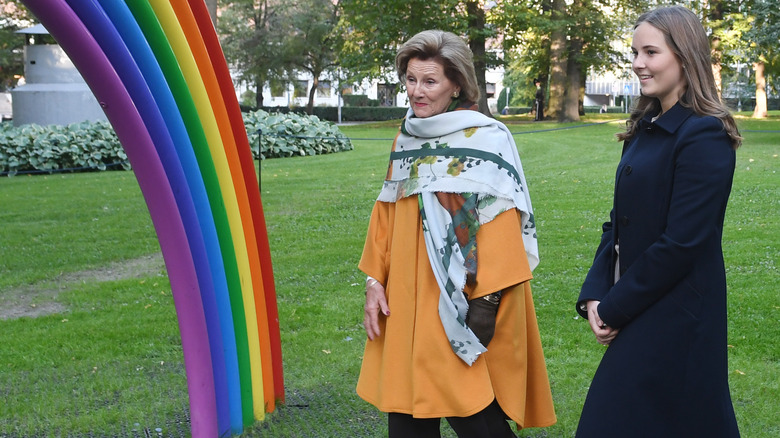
<point x="13" y="16"/>
<point x="253" y="33"/>
<point x="313" y="44"/>
<point x="478" y="34"/>
<point x="564" y="41"/>
<point x="764" y="48"/>
<point x="558" y="60"/>
<point x="526" y="45"/>
<point x="373" y="34"/>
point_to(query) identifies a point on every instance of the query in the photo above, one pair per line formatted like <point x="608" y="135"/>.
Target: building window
<point x="323" y="89"/>
<point x="386" y="94"/>
<point x="278" y="88"/>
<point x="301" y="89"/>
<point x="490" y="89"/>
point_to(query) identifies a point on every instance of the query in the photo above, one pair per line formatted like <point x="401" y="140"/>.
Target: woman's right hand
<point x="604" y="333"/>
<point x="375" y="303"/>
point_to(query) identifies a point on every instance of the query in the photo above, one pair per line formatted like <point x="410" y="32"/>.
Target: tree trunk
<point x="761" y="110"/>
<point x="259" y="93"/>
<point x="571" y="102"/>
<point x="583" y="79"/>
<point x="310" y="104"/>
<point x="476" y="19"/>
<point x="544" y="67"/>
<point x="716" y="72"/>
<point x="716" y="51"/>
<point x="557" y="62"/>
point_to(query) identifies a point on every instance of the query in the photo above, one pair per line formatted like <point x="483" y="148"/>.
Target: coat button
<point x="624" y="220"/>
<point x="629" y="170"/>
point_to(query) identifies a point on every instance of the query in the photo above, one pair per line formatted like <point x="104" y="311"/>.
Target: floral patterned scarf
<point x="466" y="170"/>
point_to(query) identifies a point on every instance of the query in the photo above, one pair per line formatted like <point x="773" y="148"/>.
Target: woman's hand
<point x="481" y="317"/>
<point x="604" y="333"/>
<point x="375" y="303"/>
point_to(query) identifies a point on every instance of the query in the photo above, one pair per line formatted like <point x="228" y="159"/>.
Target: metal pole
<point x="260" y="161"/>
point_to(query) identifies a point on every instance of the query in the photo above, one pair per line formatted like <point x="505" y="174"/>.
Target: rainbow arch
<point x="158" y="71"/>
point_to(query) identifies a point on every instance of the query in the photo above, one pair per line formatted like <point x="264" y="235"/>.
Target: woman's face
<point x="429" y="90"/>
<point x="659" y="71"/>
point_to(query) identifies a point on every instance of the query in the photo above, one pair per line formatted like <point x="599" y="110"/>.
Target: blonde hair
<point x="448" y="49"/>
<point x="685" y="35"/>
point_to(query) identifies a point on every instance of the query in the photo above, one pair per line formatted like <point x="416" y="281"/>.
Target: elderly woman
<point x="449" y="252"/>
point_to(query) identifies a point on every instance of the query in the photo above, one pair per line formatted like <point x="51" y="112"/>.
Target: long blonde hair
<point x="686" y="37"/>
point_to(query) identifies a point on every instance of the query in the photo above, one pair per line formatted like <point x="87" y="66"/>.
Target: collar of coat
<point x="669" y="121"/>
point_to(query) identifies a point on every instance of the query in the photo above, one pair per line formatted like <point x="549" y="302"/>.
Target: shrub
<point x="285" y="135"/>
<point x="90" y="146"/>
<point x="610" y="109"/>
<point x="75" y="147"/>
<point x="513" y="110"/>
<point x="359" y="100"/>
<point x="373" y="113"/>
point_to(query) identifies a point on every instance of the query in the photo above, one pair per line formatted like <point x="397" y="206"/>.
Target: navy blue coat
<point x="666" y="372"/>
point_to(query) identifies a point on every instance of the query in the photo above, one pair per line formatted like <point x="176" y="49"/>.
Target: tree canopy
<point x="13" y="17"/>
<point x="561" y="42"/>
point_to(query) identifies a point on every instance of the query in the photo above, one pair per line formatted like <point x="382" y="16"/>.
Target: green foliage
<point x="94" y="145"/>
<point x="252" y="36"/>
<point x="78" y="146"/>
<point x="14" y="16"/>
<point x="610" y="109"/>
<point x="314" y="42"/>
<point x="348" y="113"/>
<point x="287" y="135"/>
<point x="359" y="100"/>
<point x="373" y="34"/>
<point x="248" y="98"/>
<point x="373" y="113"/>
<point x="271" y="41"/>
<point x="764" y="34"/>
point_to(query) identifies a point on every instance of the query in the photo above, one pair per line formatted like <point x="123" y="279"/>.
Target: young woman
<point x="656" y="293"/>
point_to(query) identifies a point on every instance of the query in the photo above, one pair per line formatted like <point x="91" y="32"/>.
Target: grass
<point x="108" y="362"/>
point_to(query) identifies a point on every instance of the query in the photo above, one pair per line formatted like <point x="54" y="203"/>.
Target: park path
<point x="41" y="298"/>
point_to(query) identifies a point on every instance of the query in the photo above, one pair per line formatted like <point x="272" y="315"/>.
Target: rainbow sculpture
<point x="158" y="71"/>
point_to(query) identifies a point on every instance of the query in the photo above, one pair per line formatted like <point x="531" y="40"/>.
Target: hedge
<point x="359" y="100"/>
<point x="348" y="113"/>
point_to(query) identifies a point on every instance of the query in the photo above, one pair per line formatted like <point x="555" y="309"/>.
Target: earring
<point x="455" y="95"/>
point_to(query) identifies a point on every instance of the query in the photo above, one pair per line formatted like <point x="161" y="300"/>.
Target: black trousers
<point x="490" y="422"/>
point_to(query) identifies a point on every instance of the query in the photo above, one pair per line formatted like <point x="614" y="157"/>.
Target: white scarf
<point x="458" y="152"/>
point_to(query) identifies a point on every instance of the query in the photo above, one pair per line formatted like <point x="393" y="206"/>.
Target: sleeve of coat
<point x="600" y="275"/>
<point x="375" y="259"/>
<point x="703" y="172"/>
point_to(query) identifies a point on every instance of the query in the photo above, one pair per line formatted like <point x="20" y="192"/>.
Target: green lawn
<point x="97" y="352"/>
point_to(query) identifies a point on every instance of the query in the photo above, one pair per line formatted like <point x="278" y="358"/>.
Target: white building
<point x="388" y="93"/>
<point x="54" y="92"/>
